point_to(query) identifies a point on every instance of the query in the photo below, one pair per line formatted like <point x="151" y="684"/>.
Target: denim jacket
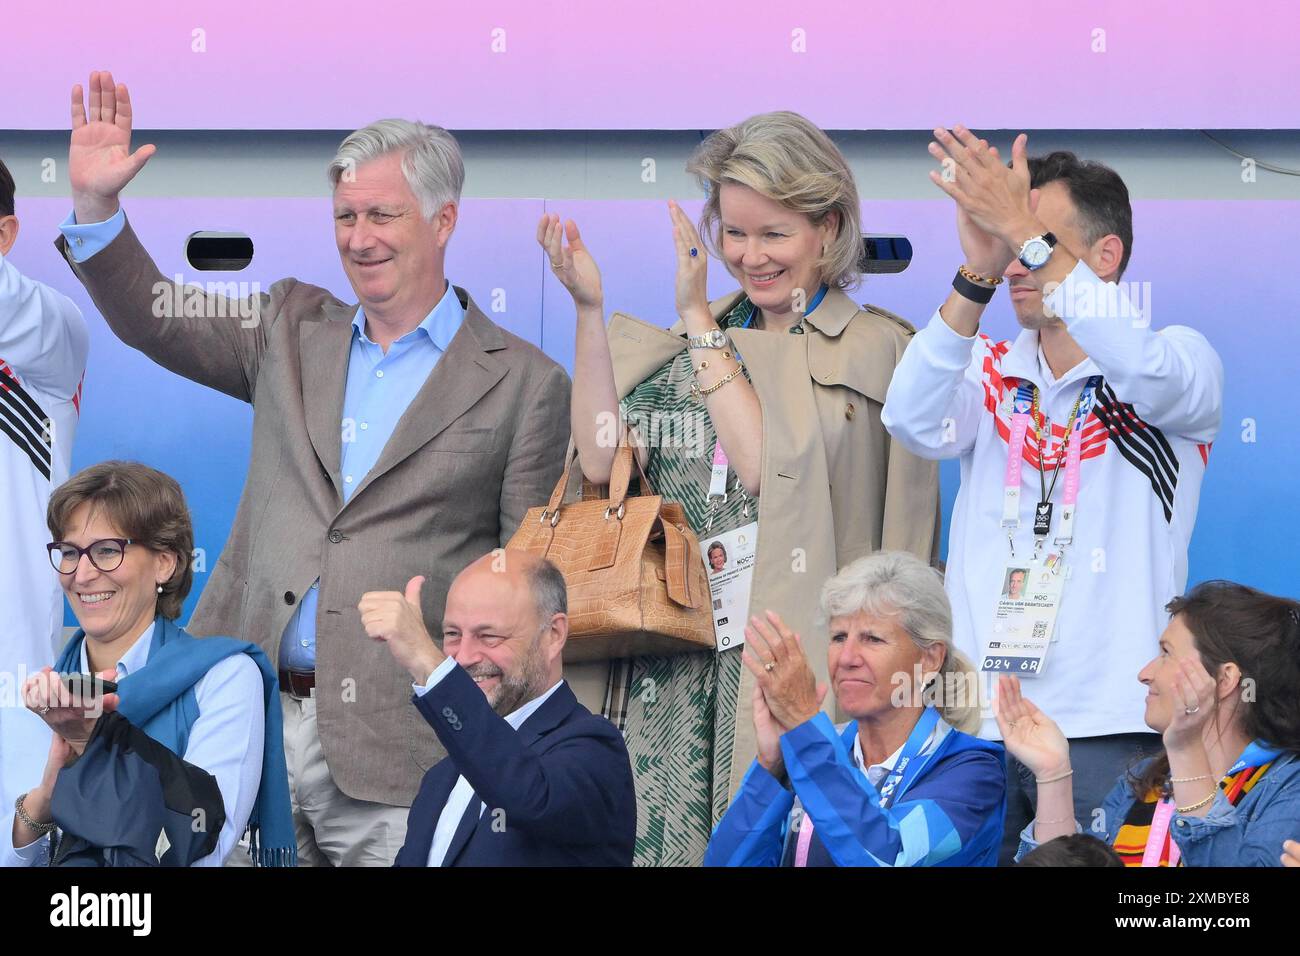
<point x="1249" y="834"/>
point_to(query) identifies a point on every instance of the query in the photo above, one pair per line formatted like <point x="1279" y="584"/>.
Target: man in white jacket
<point x="1089" y="394"/>
<point x="43" y="346"/>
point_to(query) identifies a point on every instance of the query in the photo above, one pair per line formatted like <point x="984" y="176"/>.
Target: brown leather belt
<point x="297" y="684"/>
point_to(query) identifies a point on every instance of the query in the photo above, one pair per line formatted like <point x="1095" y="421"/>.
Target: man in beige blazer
<point x="403" y="436"/>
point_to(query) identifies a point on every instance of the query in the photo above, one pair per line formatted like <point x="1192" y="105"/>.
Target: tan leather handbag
<point x="636" y="579"/>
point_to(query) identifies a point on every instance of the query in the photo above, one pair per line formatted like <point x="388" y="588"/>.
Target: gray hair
<point x="432" y="164"/>
<point x="898" y="584"/>
<point x="550" y="593"/>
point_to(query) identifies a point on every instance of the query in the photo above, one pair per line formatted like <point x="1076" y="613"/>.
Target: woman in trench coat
<point x="788" y="375"/>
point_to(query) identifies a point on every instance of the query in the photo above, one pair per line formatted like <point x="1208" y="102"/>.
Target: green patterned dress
<point x="678" y="713"/>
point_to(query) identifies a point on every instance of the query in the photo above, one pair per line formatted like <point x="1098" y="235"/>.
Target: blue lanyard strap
<point x="907" y="767"/>
<point x="1256" y="754"/>
<point x="816" y="301"/>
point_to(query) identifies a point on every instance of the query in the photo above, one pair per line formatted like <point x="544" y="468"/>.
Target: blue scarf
<point x="160" y="700"/>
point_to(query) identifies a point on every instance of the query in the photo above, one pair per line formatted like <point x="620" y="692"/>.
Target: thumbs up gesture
<point x="395" y="618"/>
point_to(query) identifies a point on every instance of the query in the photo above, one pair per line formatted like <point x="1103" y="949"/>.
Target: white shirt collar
<point x="1025" y="360"/>
<point x="134" y="659"/>
<point x="877" y="771"/>
<point x="516" y="718"/>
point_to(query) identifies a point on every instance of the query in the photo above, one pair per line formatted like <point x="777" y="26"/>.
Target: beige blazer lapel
<point x="324" y="348"/>
<point x="463" y="375"/>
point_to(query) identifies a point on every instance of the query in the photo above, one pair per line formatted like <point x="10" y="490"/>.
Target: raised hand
<point x="571" y="263"/>
<point x="1030" y="735"/>
<point x="692" y="270"/>
<point x="996" y="199"/>
<point x="100" y="161"/>
<point x="1193" y="696"/>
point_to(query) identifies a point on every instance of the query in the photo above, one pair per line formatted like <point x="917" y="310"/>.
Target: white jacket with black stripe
<point x="43" y="346"/>
<point x="1145" y="449"/>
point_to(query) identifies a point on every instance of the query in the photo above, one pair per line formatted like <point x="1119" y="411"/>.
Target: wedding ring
<point x="769" y="666"/>
<point x="44" y="711"/>
<point x="557" y="265"/>
<point x="1191" y="710"/>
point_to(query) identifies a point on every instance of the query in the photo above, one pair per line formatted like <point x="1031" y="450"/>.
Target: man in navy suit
<point x="531" y="777"/>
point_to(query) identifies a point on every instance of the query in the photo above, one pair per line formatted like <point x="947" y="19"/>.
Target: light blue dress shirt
<point x="379" y="389"/>
<point x="226" y="741"/>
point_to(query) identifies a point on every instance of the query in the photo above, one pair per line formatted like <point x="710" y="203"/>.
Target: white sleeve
<point x="30" y="855"/>
<point x="936" y="395"/>
<point x="1173" y="378"/>
<point x="434" y="678"/>
<point x="43" y="337"/>
<point x="227" y="741"/>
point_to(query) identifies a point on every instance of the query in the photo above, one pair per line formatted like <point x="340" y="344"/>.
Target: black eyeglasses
<point x="106" y="554"/>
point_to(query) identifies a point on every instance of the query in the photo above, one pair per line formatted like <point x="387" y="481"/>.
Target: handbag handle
<point x="619" y="479"/>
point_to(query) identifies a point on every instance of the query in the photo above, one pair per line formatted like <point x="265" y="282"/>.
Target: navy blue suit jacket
<point x="557" y="792"/>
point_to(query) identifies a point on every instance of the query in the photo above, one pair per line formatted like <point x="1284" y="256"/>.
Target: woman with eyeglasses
<point x="185" y="755"/>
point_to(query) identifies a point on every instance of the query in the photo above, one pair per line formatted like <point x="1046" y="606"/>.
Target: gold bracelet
<point x="1049" y="822"/>
<point x="976" y="277"/>
<point x="1198" y="805"/>
<point x="705" y="364"/>
<point x="1204" y="776"/>
<point x="700" y="392"/>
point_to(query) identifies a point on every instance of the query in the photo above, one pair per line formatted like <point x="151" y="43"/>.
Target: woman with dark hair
<point x="1224" y="693"/>
<point x="185" y="754"/>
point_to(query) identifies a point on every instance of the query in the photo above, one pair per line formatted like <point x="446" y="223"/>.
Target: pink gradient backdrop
<point x="668" y="64"/>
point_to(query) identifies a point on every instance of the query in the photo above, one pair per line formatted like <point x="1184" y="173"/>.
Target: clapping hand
<point x="995" y="199"/>
<point x="1029" y="734"/>
<point x="774" y="655"/>
<point x="692" y="266"/>
<point x="571" y="263"/>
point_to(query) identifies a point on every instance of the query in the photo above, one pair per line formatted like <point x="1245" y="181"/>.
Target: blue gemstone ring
<point x="694" y="252"/>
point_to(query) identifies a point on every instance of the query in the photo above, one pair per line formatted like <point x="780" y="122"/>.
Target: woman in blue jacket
<point x="904" y="783"/>
<point x="1224" y="693"/>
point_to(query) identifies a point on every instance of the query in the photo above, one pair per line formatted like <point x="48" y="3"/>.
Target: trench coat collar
<point x="830" y="317"/>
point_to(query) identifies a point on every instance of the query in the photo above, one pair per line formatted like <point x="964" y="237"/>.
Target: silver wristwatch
<point x="713" y="339"/>
<point x="1036" y="250"/>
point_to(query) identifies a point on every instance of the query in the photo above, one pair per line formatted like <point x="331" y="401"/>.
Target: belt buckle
<point x="292" y="686"/>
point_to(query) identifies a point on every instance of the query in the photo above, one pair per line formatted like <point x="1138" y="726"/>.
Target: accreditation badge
<point x="729" y="559"/>
<point x="1024" y="616"/>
